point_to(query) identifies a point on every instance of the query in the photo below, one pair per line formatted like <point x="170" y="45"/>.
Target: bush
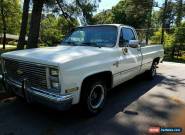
<point x="50" y="32"/>
<point x="53" y="29"/>
<point x="169" y="38"/>
<point x="156" y="38"/>
<point x="51" y="37"/>
<point x="180" y="34"/>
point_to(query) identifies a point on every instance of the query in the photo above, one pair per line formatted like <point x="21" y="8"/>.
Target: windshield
<point x="97" y="36"/>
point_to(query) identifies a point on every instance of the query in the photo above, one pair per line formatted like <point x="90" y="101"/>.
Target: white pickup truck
<point x="90" y="61"/>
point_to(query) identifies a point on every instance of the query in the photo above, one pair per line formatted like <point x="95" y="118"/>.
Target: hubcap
<point x="96" y="96"/>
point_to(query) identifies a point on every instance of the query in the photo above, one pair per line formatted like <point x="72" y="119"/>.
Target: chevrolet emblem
<point x="19" y="72"/>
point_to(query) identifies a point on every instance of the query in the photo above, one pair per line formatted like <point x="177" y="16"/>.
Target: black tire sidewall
<point x="85" y="98"/>
<point x="150" y="72"/>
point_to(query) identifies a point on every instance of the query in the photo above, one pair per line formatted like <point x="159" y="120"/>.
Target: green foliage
<point x="156" y="37"/>
<point x="169" y="38"/>
<point x="50" y="32"/>
<point x="53" y="29"/>
<point x="178" y="47"/>
<point x="132" y="12"/>
<point x="87" y="7"/>
<point x="73" y="8"/>
<point x="170" y="13"/>
<point x="180" y="34"/>
<point x="66" y="26"/>
<point x="137" y="13"/>
<point x="129" y="12"/>
<point x="119" y="15"/>
<point x="175" y="11"/>
<point x="156" y="20"/>
<point x="104" y="17"/>
<point x="12" y="12"/>
<point x="179" y="12"/>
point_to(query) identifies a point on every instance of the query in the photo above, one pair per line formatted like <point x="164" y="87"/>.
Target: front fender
<point x="73" y="79"/>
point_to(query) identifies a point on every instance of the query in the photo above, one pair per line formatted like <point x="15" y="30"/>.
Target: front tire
<point x="93" y="97"/>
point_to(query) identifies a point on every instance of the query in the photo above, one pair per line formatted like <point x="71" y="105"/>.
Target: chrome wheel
<point x="93" y="97"/>
<point x="96" y="97"/>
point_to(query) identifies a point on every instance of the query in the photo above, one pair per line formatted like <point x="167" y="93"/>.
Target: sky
<point x="108" y="4"/>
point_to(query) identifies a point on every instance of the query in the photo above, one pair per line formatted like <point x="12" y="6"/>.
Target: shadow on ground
<point x="17" y="117"/>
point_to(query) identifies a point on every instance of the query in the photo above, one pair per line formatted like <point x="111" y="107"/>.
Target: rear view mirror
<point x="133" y="43"/>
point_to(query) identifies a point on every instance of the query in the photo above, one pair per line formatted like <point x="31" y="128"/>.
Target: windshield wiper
<point x="93" y="44"/>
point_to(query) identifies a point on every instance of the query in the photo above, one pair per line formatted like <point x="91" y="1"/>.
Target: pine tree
<point x="133" y="12"/>
<point x="179" y="12"/>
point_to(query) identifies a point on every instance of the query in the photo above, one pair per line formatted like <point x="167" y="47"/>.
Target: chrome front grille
<point x="19" y="70"/>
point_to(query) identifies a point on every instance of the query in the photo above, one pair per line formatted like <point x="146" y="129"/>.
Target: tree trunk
<point x="65" y="15"/>
<point x="4" y="24"/>
<point x="35" y="24"/>
<point x="149" y="21"/>
<point x="173" y="51"/>
<point x="24" y="23"/>
<point x="163" y="21"/>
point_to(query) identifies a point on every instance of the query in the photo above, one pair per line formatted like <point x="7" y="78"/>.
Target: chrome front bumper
<point x="33" y="95"/>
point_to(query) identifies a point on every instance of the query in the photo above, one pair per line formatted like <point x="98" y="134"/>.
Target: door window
<point x="126" y="35"/>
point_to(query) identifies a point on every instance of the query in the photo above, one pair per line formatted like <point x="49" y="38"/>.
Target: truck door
<point x="131" y="58"/>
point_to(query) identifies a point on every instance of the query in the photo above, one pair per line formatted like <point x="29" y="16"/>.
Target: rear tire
<point x="152" y="72"/>
<point x="93" y="97"/>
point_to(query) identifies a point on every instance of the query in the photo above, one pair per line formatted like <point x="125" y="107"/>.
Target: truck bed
<point x="150" y="52"/>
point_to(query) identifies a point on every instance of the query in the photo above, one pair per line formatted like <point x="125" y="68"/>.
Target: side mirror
<point x="143" y="43"/>
<point x="133" y="43"/>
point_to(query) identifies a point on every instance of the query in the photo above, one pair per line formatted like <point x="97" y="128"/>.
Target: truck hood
<point x="54" y="55"/>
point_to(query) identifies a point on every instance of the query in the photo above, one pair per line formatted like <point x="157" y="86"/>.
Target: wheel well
<point x="156" y="60"/>
<point x="105" y="76"/>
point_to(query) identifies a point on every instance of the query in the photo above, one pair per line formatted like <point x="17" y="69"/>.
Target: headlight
<point x="54" y="72"/>
<point x="54" y="78"/>
<point x="55" y="85"/>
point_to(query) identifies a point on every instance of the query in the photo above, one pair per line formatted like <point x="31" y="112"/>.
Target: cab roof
<point x="116" y="25"/>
